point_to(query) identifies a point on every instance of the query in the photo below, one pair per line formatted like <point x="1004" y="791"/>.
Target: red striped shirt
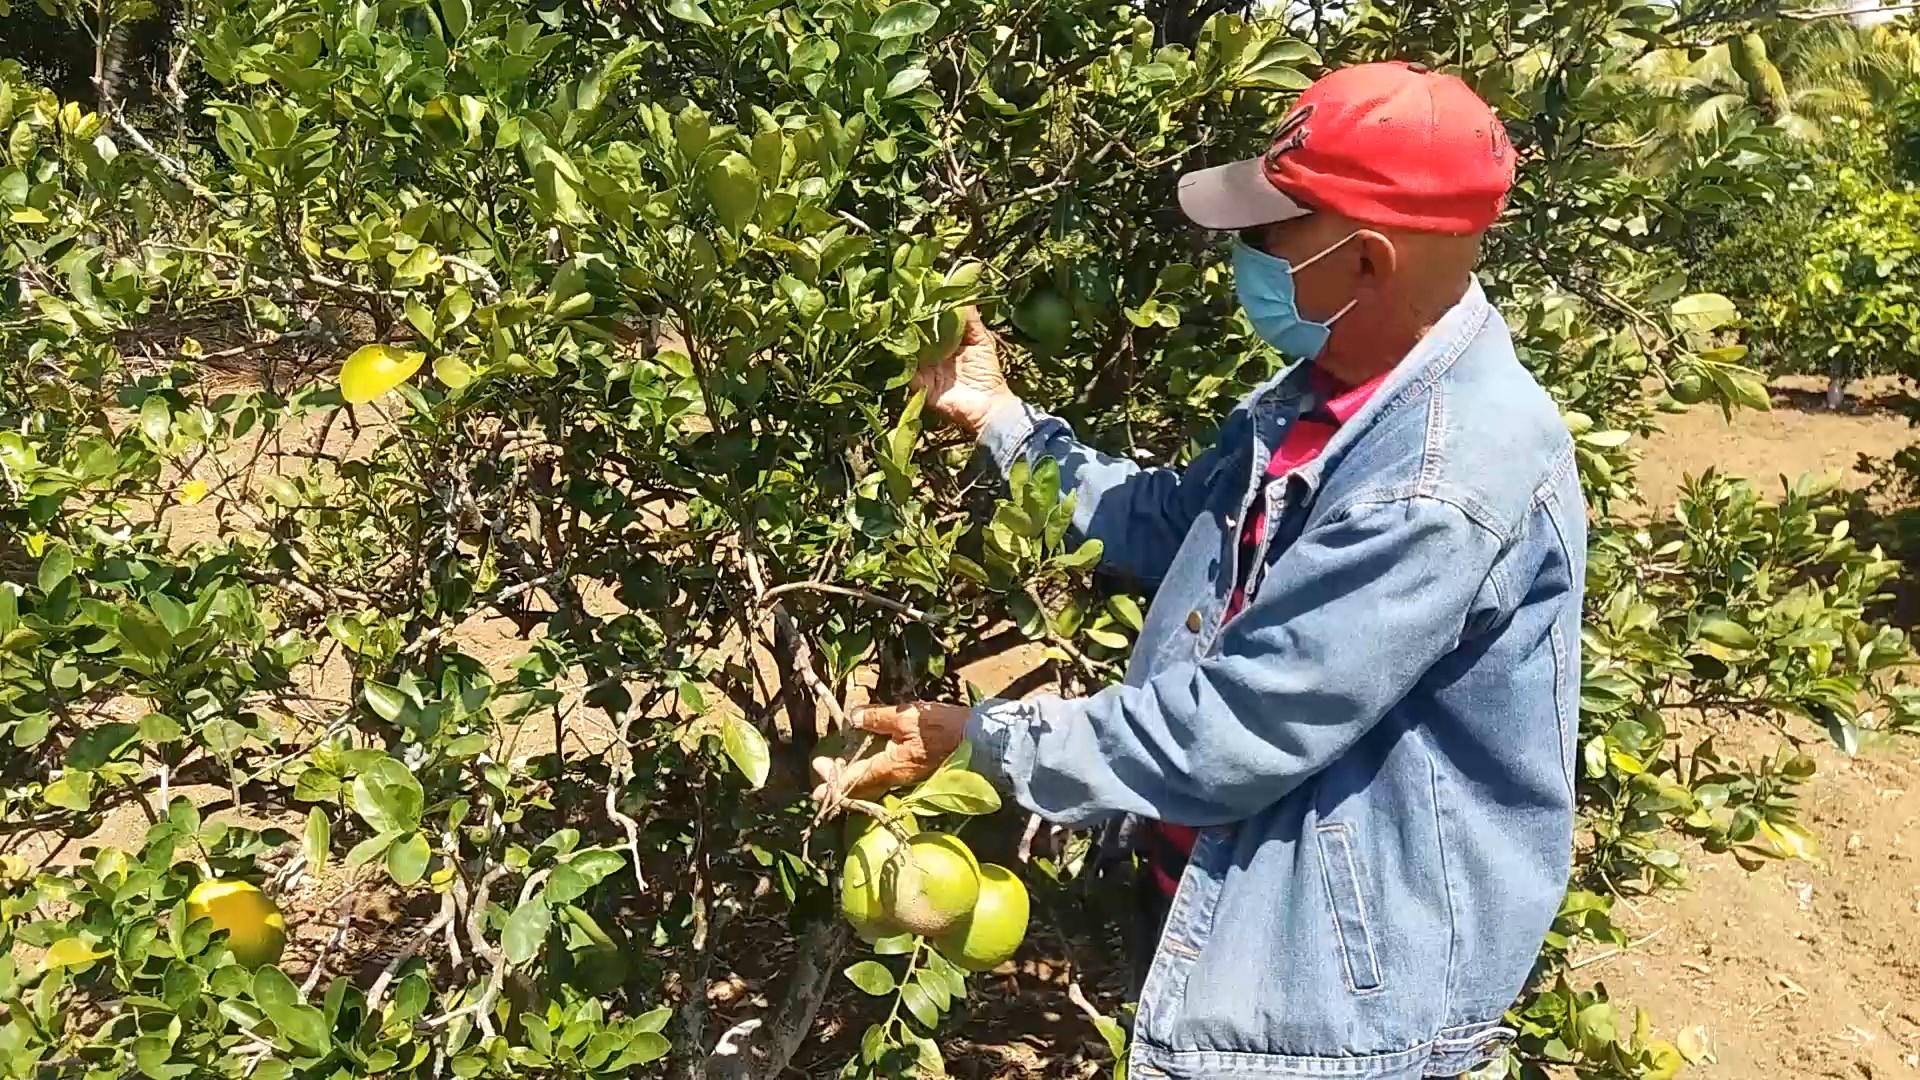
<point x="1304" y="441"/>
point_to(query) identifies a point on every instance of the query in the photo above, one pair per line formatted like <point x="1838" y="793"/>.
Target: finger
<point x="889" y="720"/>
<point x="841" y="780"/>
<point x="977" y="332"/>
<point x="825" y="769"/>
<point x="889" y="769"/>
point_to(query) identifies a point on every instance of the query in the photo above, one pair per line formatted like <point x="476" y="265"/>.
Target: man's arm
<point x="1354" y="614"/>
<point x="1139" y="515"/>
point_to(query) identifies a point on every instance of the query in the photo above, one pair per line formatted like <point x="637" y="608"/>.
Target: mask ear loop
<point x="1335" y="246"/>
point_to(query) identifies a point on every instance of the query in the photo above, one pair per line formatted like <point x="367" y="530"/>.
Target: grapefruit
<point x="372" y="370"/>
<point x="1046" y="317"/>
<point x="932" y="885"/>
<point x="256" y="931"/>
<point x="1690" y="388"/>
<point x="869" y="847"/>
<point x="992" y="933"/>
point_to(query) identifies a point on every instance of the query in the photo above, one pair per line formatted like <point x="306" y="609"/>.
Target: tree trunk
<point x="760" y="1048"/>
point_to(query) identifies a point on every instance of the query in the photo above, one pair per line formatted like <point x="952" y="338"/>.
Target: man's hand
<point x="967" y="386"/>
<point x="919" y="737"/>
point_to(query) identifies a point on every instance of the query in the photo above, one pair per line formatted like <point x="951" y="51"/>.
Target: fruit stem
<point x="886" y="818"/>
<point x="913" y="963"/>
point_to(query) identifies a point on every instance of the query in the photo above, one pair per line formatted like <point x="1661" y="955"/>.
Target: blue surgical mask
<point x="1265" y="285"/>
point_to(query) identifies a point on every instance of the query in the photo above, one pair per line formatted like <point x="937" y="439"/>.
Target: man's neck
<point x="1355" y="358"/>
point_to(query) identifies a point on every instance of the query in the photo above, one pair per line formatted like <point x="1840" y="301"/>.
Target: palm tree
<point x="1796" y="76"/>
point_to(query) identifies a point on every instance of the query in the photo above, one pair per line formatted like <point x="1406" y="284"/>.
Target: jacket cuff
<point x="1004" y="436"/>
<point x="999" y="731"/>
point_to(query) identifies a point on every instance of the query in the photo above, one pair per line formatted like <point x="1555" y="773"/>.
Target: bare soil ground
<point x="1795" y="970"/>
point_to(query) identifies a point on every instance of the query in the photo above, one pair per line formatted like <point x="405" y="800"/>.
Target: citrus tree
<point x="588" y="329"/>
<point x="1855" y="311"/>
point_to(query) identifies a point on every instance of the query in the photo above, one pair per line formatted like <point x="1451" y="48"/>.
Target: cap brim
<point x="1235" y="196"/>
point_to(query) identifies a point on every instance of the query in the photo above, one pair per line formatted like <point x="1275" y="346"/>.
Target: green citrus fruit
<point x="256" y="931"/>
<point x="1690" y="388"/>
<point x="992" y="934"/>
<point x="930" y="886"/>
<point x="869" y="847"/>
<point x="1046" y="317"/>
<point x="373" y="370"/>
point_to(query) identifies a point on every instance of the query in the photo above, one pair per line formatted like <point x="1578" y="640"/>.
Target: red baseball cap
<point x="1393" y="144"/>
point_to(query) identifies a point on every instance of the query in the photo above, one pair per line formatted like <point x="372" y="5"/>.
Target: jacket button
<point x="1193" y="620"/>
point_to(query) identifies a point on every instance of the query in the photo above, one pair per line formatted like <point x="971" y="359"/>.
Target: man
<point x="1353" y="708"/>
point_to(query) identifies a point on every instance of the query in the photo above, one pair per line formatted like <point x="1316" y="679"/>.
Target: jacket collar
<point x="1429" y="359"/>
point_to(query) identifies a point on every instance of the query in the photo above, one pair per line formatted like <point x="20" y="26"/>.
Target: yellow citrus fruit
<point x="868" y="851"/>
<point x="372" y="370"/>
<point x="256" y="931"/>
<point x="992" y="933"/>
<point x="931" y="886"/>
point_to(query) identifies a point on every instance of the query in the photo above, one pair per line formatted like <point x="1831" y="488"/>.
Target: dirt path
<point x="1795" y="970"/>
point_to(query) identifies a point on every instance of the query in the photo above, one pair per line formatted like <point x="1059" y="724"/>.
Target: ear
<point x="1379" y="259"/>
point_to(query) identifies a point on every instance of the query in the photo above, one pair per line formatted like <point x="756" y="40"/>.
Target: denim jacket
<point x="1378" y="749"/>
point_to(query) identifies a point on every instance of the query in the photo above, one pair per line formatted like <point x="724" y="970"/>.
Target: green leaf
<point x="747" y="747"/>
<point x="319" y="839"/>
<point x="420" y="317"/>
<point x="55" y="566"/>
<point x="407" y="859"/>
<point x="96" y="746"/>
<point x="1704" y="311"/>
<point x="70" y="951"/>
<point x="1727" y="633"/>
<point x="386" y="702"/>
<point x="453" y="372"/>
<point x="1125" y="609"/>
<point x="920" y="1004"/>
<point x="1027" y="614"/>
<point x="905" y="19"/>
<point x="1790" y="840"/>
<point x="1278" y="77"/>
<point x="733" y="186"/>
<point x="280" y="1000"/>
<point x="389" y="797"/>
<point x="648" y="1046"/>
<point x="957" y="791"/>
<point x="156" y="420"/>
<point x="1598" y="1027"/>
<point x="455" y="15"/>
<point x="369" y="849"/>
<point x="273" y="990"/>
<point x="871" y="977"/>
<point x="1080" y="558"/>
<point x="905" y="81"/>
<point x="690" y="11"/>
<point x="526" y="930"/>
<point x="144" y="633"/>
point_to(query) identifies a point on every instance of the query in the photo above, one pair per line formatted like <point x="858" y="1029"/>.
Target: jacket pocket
<point x="1341" y="873"/>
